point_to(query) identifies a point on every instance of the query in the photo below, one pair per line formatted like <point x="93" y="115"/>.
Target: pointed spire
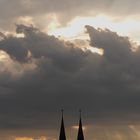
<point x="62" y="135"/>
<point x="80" y="130"/>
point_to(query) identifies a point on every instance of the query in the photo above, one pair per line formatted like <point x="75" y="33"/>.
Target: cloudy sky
<point x="69" y="54"/>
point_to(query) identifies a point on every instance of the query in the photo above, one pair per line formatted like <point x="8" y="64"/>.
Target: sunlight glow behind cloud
<point x="76" y="127"/>
<point x="75" y="28"/>
<point x="30" y="138"/>
<point x="23" y="138"/>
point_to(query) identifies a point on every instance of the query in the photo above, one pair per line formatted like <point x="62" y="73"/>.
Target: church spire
<point x="62" y="135"/>
<point x="80" y="130"/>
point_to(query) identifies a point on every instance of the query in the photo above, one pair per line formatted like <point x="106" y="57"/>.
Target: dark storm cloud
<point x="106" y="87"/>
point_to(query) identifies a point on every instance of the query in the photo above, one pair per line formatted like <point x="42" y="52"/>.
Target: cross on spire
<point x="62" y="111"/>
<point x="80" y="112"/>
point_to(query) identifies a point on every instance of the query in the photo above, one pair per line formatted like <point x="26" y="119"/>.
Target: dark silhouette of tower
<point x="80" y="130"/>
<point x="62" y="135"/>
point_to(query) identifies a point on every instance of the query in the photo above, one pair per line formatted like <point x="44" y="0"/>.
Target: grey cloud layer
<point x="10" y="11"/>
<point x="106" y="87"/>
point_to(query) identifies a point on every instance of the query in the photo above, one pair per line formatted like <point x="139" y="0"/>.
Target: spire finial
<point x="80" y="112"/>
<point x="62" y="111"/>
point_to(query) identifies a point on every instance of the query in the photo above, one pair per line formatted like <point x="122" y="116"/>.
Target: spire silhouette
<point x="62" y="135"/>
<point x="80" y="130"/>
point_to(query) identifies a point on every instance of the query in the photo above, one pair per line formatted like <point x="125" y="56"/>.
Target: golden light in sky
<point x="23" y="138"/>
<point x="76" y="127"/>
<point x="75" y="28"/>
<point x="30" y="138"/>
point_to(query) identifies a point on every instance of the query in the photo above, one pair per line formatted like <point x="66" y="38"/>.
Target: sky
<point x="70" y="54"/>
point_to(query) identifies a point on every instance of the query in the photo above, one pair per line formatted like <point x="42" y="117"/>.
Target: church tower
<point x="62" y="135"/>
<point x="80" y="130"/>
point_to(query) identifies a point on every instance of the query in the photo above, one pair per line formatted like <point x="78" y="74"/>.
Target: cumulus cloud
<point x="114" y="46"/>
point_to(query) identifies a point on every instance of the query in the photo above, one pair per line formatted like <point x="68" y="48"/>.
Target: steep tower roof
<point x="80" y="130"/>
<point x="62" y="135"/>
